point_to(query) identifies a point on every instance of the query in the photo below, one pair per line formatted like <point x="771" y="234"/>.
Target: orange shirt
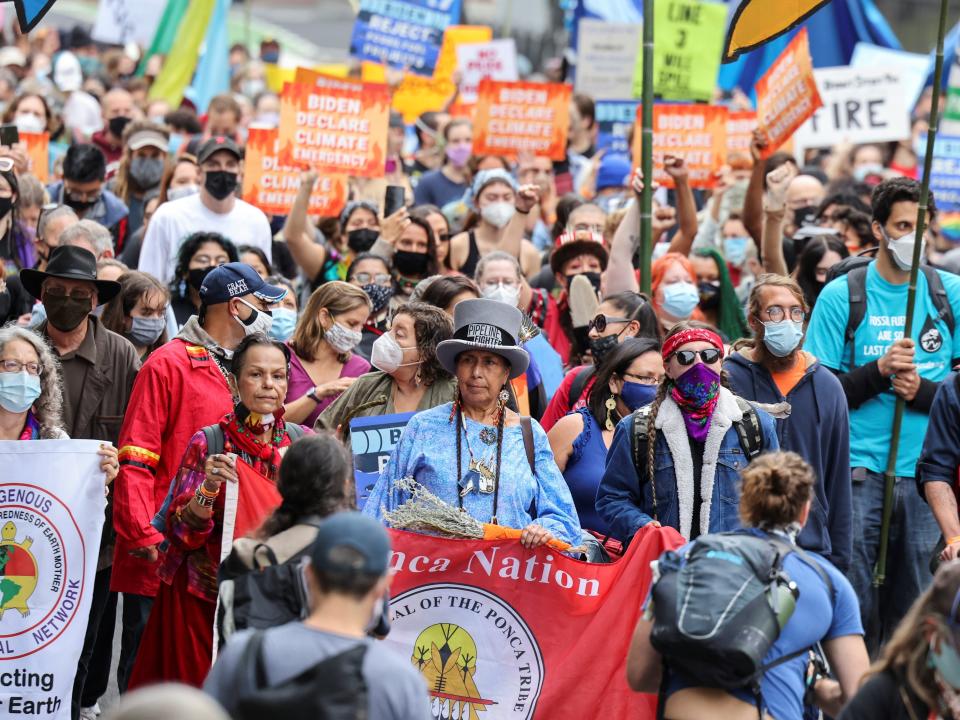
<point x="788" y="379"/>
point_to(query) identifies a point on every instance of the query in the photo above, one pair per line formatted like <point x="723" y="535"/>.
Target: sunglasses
<point x="600" y="322"/>
<point x="688" y="357"/>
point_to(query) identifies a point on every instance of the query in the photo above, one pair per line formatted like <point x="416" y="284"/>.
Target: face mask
<point x="146" y="172"/>
<point x="901" y="249"/>
<point x="5" y="205"/>
<point x="196" y="276"/>
<point x="636" y="395"/>
<point x="64" y="312"/>
<point x="498" y="214"/>
<point x="270" y="119"/>
<point x="117" y="125"/>
<point x="379" y="296"/>
<point x="458" y="154"/>
<point x="360" y="241"/>
<point x="410" y="264"/>
<point x="593" y="277"/>
<point x="258" y="322"/>
<point x="509" y="294"/>
<point x="387" y="355"/>
<point x="709" y="295"/>
<point x="220" y="183"/>
<point x="174" y="143"/>
<point x="38" y="316"/>
<point x="735" y="250"/>
<point x="270" y="57"/>
<point x="342" y="339"/>
<point x="18" y="391"/>
<point x="284" y="322"/>
<point x="603" y="346"/>
<point x="804" y="215"/>
<point x="697" y="388"/>
<point x="252" y="88"/>
<point x="78" y="206"/>
<point x="680" y="299"/>
<point x="862" y="172"/>
<point x="29" y="123"/>
<point x="782" y="338"/>
<point x="182" y="192"/>
<point x="145" y="331"/>
<point x="946" y="662"/>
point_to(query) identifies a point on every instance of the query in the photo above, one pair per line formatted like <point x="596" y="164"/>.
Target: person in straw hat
<point x="475" y="453"/>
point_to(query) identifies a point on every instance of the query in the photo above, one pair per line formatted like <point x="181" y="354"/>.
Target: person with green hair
<point x="718" y="297"/>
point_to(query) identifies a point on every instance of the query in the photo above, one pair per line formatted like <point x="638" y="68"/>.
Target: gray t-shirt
<point x="395" y="689"/>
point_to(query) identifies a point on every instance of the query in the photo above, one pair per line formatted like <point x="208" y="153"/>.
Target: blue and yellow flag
<point x="758" y="21"/>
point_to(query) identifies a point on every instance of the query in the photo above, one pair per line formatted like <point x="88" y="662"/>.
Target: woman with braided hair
<point x="677" y="461"/>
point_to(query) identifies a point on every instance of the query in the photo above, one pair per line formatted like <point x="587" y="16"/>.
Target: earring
<point x="611" y="405"/>
<point x="417" y="378"/>
<point x="502" y="399"/>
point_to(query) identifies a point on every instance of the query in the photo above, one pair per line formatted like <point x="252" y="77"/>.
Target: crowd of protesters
<point x="145" y="305"/>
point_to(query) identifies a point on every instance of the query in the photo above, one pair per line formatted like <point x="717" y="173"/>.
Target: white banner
<point x="123" y="21"/>
<point x="859" y="106"/>
<point x="606" y="58"/>
<point x="51" y="516"/>
<point x="496" y="60"/>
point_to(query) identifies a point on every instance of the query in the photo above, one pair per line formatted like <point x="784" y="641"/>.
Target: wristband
<point x="202" y="488"/>
<point x="952" y="541"/>
<point x="203" y="500"/>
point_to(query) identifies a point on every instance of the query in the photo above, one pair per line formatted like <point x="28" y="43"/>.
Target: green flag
<point x="166" y="32"/>
<point x="181" y="61"/>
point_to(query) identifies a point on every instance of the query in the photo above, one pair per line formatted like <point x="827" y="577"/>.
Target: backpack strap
<point x="938" y="294"/>
<point x="857" y="295"/>
<point x="213" y="434"/>
<point x="253" y="659"/>
<point x="638" y="437"/>
<point x="579" y="383"/>
<point x="786" y="548"/>
<point x="526" y="429"/>
<point x="749" y="430"/>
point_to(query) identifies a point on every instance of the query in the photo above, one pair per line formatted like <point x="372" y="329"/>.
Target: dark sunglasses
<point x="600" y="322"/>
<point x="688" y="357"/>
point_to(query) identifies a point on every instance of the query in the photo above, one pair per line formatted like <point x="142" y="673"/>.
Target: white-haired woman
<point x="31" y="401"/>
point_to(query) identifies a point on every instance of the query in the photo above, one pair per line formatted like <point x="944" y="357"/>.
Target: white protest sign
<point x="123" y="21"/>
<point x="51" y="515"/>
<point x="913" y="67"/>
<point x="606" y="57"/>
<point x="859" y="106"/>
<point x="496" y="60"/>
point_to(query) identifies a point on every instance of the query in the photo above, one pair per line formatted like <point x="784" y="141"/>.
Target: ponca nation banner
<point x="51" y="515"/>
<point x="500" y="632"/>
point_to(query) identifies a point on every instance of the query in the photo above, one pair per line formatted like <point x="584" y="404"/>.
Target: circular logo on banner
<point x="41" y="569"/>
<point x="475" y="652"/>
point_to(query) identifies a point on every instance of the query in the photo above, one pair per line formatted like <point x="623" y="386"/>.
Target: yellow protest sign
<point x="758" y="21"/>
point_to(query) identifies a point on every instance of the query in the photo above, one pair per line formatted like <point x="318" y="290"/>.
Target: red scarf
<point x="244" y="437"/>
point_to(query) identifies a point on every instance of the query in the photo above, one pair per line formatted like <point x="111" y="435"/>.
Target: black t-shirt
<point x="882" y="697"/>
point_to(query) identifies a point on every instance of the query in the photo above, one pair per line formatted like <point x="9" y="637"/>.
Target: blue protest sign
<point x="403" y="33"/>
<point x="614" y="118"/>
<point x="372" y="440"/>
<point x="945" y="185"/>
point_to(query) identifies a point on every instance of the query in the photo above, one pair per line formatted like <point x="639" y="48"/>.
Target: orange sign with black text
<point x="519" y="117"/>
<point x="695" y="133"/>
<point x="37" y="146"/>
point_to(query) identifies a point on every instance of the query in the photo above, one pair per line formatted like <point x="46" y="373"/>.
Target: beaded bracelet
<point x="204" y="500"/>
<point x="202" y="488"/>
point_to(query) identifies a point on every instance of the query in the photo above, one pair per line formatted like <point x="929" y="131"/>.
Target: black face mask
<point x="601" y="347"/>
<point x="79" y="206"/>
<point x="410" y="264"/>
<point x="709" y="295"/>
<point x="593" y="277"/>
<point x="6" y="204"/>
<point x="359" y="241"/>
<point x="804" y="215"/>
<point x="117" y="125"/>
<point x="64" y="312"/>
<point x="220" y="183"/>
<point x="196" y="276"/>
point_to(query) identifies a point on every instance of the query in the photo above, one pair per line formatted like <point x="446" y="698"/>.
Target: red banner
<point x="494" y="627"/>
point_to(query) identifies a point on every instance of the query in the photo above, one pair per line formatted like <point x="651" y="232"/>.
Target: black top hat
<point x="70" y="263"/>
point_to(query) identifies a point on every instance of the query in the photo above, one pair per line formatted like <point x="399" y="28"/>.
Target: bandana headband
<point x="683" y="337"/>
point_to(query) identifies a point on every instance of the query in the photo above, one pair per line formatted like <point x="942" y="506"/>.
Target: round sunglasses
<point x="688" y="357"/>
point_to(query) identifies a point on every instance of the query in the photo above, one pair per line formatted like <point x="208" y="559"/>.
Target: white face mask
<point x="259" y="322"/>
<point x="509" y="294"/>
<point x="387" y="355"/>
<point x="901" y="249"/>
<point x="182" y="192"/>
<point x="29" y="123"/>
<point x="498" y="214"/>
<point x="342" y="339"/>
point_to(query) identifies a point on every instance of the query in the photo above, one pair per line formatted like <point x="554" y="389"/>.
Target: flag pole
<point x="889" y="477"/>
<point x="646" y="151"/>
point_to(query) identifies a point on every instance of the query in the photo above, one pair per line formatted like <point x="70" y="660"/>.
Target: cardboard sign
<point x="272" y="186"/>
<point x="686" y="55"/>
<point x="496" y="60"/>
<point x="37" y="146"/>
<point x="372" y="440"/>
<point x="521" y="117"/>
<point x="696" y="133"/>
<point x="913" y="67"/>
<point x="335" y="126"/>
<point x="740" y="127"/>
<point x="403" y="33"/>
<point x="859" y="106"/>
<point x="614" y="119"/>
<point x="787" y="94"/>
<point x="606" y="57"/>
<point x="945" y="185"/>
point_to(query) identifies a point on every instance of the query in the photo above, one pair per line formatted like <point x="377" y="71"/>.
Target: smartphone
<point x="9" y="135"/>
<point x="395" y="199"/>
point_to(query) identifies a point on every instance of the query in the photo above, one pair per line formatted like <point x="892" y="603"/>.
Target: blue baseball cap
<point x="356" y="532"/>
<point x="236" y="280"/>
<point x="614" y="171"/>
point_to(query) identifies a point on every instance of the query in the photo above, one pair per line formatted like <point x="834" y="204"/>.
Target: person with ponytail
<point x="677" y="461"/>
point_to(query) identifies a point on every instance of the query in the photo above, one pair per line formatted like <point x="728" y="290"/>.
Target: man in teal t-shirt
<point x="880" y="365"/>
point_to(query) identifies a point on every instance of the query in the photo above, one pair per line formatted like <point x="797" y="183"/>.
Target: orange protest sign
<point x="272" y="186"/>
<point x="520" y="117"/>
<point x="740" y="127"/>
<point x="787" y="93"/>
<point x="695" y="133"/>
<point x="334" y="126"/>
<point x="37" y="146"/>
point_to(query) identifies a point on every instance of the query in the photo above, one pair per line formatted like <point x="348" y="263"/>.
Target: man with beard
<point x="773" y="368"/>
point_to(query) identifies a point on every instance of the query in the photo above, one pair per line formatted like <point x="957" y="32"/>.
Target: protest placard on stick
<point x="513" y="118"/>
<point x="695" y="133"/>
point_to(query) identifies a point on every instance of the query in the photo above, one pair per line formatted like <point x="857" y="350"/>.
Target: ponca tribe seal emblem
<point x="18" y="571"/>
<point x="446" y="656"/>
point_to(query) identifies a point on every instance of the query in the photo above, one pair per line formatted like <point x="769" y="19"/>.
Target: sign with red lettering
<point x="522" y="117"/>
<point x="496" y="60"/>
<point x="695" y="133"/>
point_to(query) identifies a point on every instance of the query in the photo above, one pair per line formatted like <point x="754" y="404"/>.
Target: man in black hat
<point x="98" y="369"/>
<point x="216" y="208"/>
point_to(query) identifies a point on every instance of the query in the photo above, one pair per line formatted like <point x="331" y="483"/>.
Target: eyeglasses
<point x="777" y="313"/>
<point x="688" y="357"/>
<point x="75" y="294"/>
<point x="91" y="196"/>
<point x="588" y="228"/>
<point x="365" y="278"/>
<point x="600" y="322"/>
<point x="15" y="366"/>
<point x="643" y="379"/>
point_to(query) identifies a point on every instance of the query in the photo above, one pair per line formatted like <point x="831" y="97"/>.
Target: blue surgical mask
<point x="782" y="338"/>
<point x="735" y="250"/>
<point x="284" y="321"/>
<point x="636" y="395"/>
<point x="680" y="299"/>
<point x="18" y="391"/>
<point x="174" y="143"/>
<point x="946" y="662"/>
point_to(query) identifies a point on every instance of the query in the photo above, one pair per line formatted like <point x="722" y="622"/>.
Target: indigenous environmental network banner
<point x="499" y="631"/>
<point x="51" y="515"/>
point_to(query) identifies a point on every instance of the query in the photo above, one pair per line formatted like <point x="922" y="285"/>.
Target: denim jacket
<point x="625" y="495"/>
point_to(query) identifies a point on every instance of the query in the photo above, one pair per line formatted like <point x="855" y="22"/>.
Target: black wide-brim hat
<point x="69" y="263"/>
<point x="486" y="325"/>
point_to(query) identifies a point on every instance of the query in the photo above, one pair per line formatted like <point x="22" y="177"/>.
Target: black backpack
<point x="718" y="610"/>
<point x="333" y="689"/>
